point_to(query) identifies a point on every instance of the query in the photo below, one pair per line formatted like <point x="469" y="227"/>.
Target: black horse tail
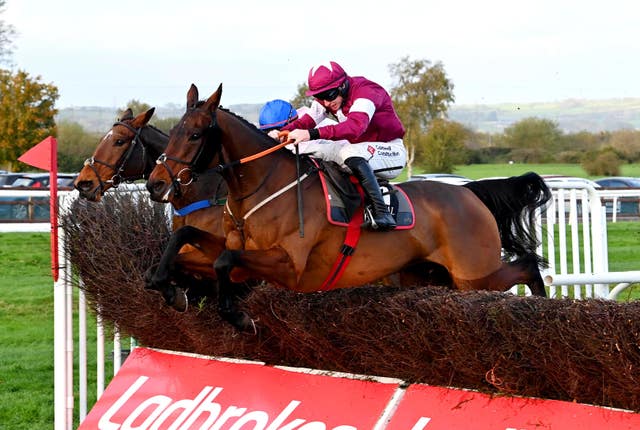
<point x="513" y="202"/>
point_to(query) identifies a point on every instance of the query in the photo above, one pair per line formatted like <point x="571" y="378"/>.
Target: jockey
<point x="276" y="114"/>
<point x="366" y="139"/>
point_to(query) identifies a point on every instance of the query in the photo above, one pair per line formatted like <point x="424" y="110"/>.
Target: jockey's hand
<point x="273" y="134"/>
<point x="298" y="136"/>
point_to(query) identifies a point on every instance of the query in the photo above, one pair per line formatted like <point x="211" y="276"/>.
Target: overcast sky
<point x="104" y="53"/>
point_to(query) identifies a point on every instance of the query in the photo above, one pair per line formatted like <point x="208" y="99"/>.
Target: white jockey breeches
<point x="380" y="155"/>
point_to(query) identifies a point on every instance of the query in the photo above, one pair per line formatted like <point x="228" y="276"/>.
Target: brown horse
<point x="453" y="228"/>
<point x="128" y="152"/>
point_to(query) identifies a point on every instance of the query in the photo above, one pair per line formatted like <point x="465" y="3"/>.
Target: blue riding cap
<point x="276" y="113"/>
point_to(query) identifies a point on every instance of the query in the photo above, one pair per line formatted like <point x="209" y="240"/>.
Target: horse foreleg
<point x="233" y="265"/>
<point x="229" y="294"/>
<point x="160" y="278"/>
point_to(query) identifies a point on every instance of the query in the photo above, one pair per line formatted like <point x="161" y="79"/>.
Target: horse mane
<point x="153" y="127"/>
<point x="264" y="138"/>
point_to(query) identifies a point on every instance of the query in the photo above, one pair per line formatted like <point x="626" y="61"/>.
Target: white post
<point x="586" y="240"/>
<point x="59" y="350"/>
<point x="575" y="243"/>
<point x="99" y="358"/>
<point x="66" y="274"/>
<point x="562" y="239"/>
<point x="117" y="351"/>
<point x="599" y="247"/>
<point x="82" y="354"/>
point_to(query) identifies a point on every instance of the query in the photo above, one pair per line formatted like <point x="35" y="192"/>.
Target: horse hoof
<point x="180" y="302"/>
<point x="241" y="321"/>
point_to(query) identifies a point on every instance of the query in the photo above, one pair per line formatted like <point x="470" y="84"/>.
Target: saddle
<point x="343" y="198"/>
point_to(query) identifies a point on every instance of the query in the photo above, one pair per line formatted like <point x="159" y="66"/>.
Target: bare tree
<point x="7" y="32"/>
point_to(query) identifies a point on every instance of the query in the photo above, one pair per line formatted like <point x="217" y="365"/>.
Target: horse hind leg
<point x="522" y="271"/>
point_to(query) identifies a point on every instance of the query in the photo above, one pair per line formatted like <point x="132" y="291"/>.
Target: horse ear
<point x="192" y="96"/>
<point x="213" y="102"/>
<point x="142" y="119"/>
<point x="127" y="114"/>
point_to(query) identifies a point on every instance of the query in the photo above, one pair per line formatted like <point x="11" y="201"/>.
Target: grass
<point x="477" y="171"/>
<point x="26" y="319"/>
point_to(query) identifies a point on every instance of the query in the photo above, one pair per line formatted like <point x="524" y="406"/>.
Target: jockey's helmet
<point x="276" y="114"/>
<point x="325" y="77"/>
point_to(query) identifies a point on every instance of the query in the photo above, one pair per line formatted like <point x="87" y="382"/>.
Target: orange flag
<point x="45" y="156"/>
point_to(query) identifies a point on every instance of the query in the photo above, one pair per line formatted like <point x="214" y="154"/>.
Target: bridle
<point x="119" y="166"/>
<point x="192" y="167"/>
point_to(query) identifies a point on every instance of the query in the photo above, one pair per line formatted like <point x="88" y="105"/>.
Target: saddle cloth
<point x="342" y="197"/>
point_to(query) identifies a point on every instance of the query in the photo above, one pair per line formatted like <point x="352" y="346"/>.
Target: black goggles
<point x="329" y="95"/>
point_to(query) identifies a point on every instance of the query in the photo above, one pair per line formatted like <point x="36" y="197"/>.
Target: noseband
<point x="119" y="167"/>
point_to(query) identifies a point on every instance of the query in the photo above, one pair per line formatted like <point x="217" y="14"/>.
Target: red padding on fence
<point x="158" y="390"/>
<point x="436" y="408"/>
<point x="162" y="390"/>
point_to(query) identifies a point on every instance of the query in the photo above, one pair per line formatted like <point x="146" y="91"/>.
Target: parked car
<point x="569" y="180"/>
<point x="627" y="206"/>
<point x="619" y="182"/>
<point x="7" y="178"/>
<point x="41" y="180"/>
<point x="441" y="177"/>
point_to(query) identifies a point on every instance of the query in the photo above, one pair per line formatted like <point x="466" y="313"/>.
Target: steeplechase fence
<point x="573" y="237"/>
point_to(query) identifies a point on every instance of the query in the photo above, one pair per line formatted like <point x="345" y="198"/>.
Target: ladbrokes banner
<point x="165" y="391"/>
<point x="436" y="408"/>
<point x="156" y="391"/>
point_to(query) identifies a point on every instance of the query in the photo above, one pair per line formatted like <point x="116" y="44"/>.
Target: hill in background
<point x="571" y="115"/>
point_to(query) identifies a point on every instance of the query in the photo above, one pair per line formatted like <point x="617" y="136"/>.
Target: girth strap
<point x="350" y="242"/>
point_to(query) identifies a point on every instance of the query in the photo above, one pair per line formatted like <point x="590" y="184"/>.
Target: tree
<point x="75" y="145"/>
<point x="164" y="124"/>
<point x="602" y="163"/>
<point x="6" y="34"/>
<point x="443" y="146"/>
<point x="26" y="115"/>
<point x="422" y="93"/>
<point x="626" y="143"/>
<point x="301" y="99"/>
<point x="533" y="140"/>
<point x="136" y="106"/>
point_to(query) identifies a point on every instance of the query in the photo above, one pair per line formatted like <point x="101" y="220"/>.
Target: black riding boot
<point x="382" y="219"/>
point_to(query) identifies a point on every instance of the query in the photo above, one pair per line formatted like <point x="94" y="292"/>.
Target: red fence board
<point x="158" y="390"/>
<point x="435" y="408"/>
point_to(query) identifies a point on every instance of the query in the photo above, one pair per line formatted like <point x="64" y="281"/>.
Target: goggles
<point x="328" y="95"/>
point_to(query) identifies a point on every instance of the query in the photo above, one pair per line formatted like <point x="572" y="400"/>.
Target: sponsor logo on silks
<point x="371" y="149"/>
<point x="200" y="412"/>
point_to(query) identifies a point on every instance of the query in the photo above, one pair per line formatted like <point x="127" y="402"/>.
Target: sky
<point x="105" y="53"/>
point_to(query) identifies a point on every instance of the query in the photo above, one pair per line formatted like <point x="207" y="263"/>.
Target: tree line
<point x="422" y="94"/>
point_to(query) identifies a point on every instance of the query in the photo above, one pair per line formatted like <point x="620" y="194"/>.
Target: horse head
<point x="125" y="153"/>
<point x="191" y="149"/>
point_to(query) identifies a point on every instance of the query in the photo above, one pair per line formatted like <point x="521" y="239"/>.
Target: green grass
<point x="26" y="322"/>
<point x="26" y="319"/>
<point x="26" y="334"/>
<point x="477" y="171"/>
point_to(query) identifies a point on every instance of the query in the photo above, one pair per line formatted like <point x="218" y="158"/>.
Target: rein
<point x="119" y="166"/>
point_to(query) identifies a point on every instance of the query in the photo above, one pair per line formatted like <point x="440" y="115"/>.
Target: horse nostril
<point x="84" y="185"/>
<point x="155" y="187"/>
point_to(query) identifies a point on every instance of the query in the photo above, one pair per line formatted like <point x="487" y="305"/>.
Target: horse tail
<point x="513" y="202"/>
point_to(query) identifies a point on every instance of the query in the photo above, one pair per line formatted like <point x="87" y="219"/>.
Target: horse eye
<point x="120" y="142"/>
<point x="195" y="136"/>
